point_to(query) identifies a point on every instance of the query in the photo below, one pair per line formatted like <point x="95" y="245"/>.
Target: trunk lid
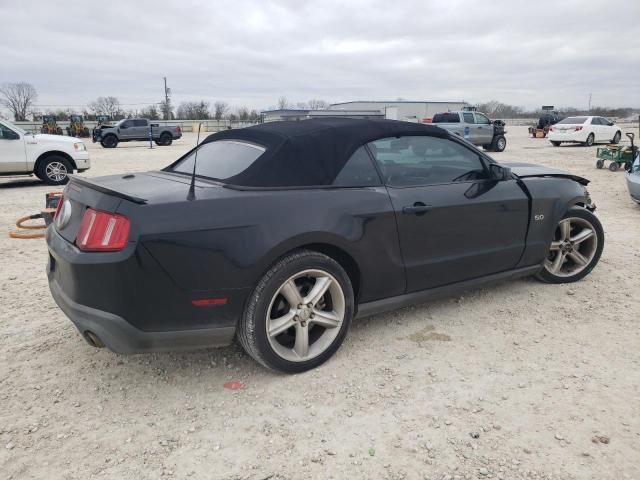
<point x="107" y="193"/>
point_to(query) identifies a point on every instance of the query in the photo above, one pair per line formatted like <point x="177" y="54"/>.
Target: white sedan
<point x="585" y="130"/>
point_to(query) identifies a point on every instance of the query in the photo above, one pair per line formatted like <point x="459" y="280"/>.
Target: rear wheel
<point x="110" y="141"/>
<point x="166" y="139"/>
<point x="599" y="163"/>
<point x="613" y="166"/>
<point x="299" y="313"/>
<point x="575" y="248"/>
<point x="555" y="144"/>
<point x="590" y="140"/>
<point x="54" y="170"/>
<point x="616" y="137"/>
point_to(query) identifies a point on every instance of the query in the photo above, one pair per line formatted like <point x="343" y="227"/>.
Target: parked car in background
<point x="135" y="130"/>
<point x="289" y="230"/>
<point x="475" y="127"/>
<point x="586" y="130"/>
<point x="51" y="158"/>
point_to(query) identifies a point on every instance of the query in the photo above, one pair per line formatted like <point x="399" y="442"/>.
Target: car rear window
<point x="220" y="160"/>
<point x="573" y="120"/>
<point x="446" y="117"/>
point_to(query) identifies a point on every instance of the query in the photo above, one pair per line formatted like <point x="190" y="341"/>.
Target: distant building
<point x="409" y="111"/>
<point x="395" y="110"/>
<point x="295" y="114"/>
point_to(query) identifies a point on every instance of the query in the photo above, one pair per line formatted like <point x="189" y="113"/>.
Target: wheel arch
<point x="53" y="153"/>
<point x="331" y="249"/>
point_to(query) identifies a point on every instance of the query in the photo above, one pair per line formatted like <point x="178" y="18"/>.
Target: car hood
<point x="528" y="170"/>
<point x="44" y="138"/>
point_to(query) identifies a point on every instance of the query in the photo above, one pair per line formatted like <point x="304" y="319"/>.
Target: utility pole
<point x="589" y="103"/>
<point x="167" y="91"/>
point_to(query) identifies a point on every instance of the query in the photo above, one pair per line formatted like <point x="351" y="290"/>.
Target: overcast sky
<point x="527" y="53"/>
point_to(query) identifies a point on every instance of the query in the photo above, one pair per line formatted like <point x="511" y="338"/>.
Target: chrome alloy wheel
<point x="56" y="171"/>
<point x="305" y="315"/>
<point x="573" y="248"/>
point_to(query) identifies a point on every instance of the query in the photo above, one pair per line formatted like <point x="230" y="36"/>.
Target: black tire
<point x="252" y="328"/>
<point x="166" y="139"/>
<point x="590" y="140"/>
<point x="110" y="141"/>
<point x="599" y="163"/>
<point x="54" y="170"/>
<point x="581" y="213"/>
<point x="487" y="147"/>
<point x="556" y="144"/>
<point x="499" y="143"/>
<point x="616" y="137"/>
<point x="613" y="166"/>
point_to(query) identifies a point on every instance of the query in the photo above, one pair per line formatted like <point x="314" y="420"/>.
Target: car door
<point x="13" y="157"/>
<point x="126" y="130"/>
<point x="454" y="222"/>
<point x="470" y="126"/>
<point x="596" y="127"/>
<point x="141" y="128"/>
<point x="608" y="131"/>
<point x="483" y="129"/>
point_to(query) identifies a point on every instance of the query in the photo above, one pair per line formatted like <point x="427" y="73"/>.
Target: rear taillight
<point x="102" y="231"/>
<point x="578" y="129"/>
<point x="59" y="206"/>
<point x="179" y="131"/>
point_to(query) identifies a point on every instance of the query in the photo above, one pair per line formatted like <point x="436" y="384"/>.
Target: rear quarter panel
<point x="230" y="241"/>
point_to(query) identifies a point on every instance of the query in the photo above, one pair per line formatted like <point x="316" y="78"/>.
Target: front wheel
<point x="575" y="249"/>
<point x="110" y="141"/>
<point x="555" y="144"/>
<point x="613" y="166"/>
<point x="499" y="144"/>
<point x="54" y="170"/>
<point x="616" y="137"/>
<point x="299" y="313"/>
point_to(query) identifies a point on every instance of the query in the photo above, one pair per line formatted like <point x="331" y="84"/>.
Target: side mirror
<point x="498" y="172"/>
<point x="611" y="124"/>
<point x="124" y="126"/>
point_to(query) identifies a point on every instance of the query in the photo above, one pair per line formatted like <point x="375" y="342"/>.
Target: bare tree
<point x="18" y="97"/>
<point x="316" y="104"/>
<point x="150" y="112"/>
<point x="220" y="109"/>
<point x="283" y="103"/>
<point x="109" y="106"/>
<point x="194" y="110"/>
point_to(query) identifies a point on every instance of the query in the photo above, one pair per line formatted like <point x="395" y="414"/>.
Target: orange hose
<point x="23" y="235"/>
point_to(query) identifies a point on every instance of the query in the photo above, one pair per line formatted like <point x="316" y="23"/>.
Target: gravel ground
<point x="517" y="380"/>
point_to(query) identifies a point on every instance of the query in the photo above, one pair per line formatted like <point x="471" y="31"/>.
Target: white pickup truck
<point x="51" y="158"/>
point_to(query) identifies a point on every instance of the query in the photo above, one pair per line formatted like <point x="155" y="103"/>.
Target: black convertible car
<point x="289" y="230"/>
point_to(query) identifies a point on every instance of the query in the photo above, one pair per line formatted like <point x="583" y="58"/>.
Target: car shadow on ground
<point x="23" y="182"/>
<point x="224" y="363"/>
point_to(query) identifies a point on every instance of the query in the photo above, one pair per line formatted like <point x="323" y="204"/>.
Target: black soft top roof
<point x="311" y="152"/>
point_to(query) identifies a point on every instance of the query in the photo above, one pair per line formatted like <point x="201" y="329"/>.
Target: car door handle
<point x="417" y="208"/>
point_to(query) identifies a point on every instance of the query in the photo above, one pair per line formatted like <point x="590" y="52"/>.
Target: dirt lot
<point x="518" y="380"/>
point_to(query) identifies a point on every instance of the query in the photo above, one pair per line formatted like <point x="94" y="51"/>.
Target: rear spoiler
<point x="101" y="188"/>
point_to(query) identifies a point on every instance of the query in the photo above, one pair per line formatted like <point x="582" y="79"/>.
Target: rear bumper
<point x="120" y="336"/>
<point x="129" y="303"/>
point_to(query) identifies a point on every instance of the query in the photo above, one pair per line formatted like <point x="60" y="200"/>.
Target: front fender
<point x="550" y="200"/>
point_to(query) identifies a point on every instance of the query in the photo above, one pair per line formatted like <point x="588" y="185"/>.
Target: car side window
<point x="139" y="123"/>
<point x="359" y="171"/>
<point x="596" y="121"/>
<point x="468" y="117"/>
<point x="424" y="160"/>
<point x="127" y="124"/>
<point x="7" y="134"/>
<point x="481" y="119"/>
